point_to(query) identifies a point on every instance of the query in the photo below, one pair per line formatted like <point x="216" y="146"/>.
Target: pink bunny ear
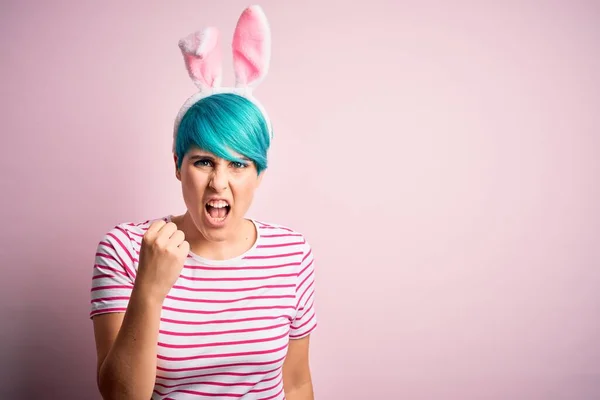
<point x="203" y="59"/>
<point x="251" y="47"/>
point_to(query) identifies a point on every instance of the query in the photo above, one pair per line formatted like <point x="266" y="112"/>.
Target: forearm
<point x="302" y="392"/>
<point x="129" y="370"/>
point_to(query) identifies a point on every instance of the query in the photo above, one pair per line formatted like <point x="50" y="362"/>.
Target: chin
<point x="215" y="229"/>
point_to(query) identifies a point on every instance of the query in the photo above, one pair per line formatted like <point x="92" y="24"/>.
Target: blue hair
<point x="224" y="122"/>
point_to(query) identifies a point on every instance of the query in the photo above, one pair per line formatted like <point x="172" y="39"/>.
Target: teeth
<point x="218" y="204"/>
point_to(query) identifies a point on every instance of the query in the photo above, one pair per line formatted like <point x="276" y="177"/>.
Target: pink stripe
<point x="305" y="268"/>
<point x="112" y="235"/>
<point x="276" y="227"/>
<point x="225" y="394"/>
<point x="216" y="344"/>
<point x="98" y="266"/>
<point x="135" y="225"/>
<point x="302" y="310"/>
<point x="222" y="321"/>
<point x="198" y="393"/>
<point x="129" y="271"/>
<point x="102" y="276"/>
<point x="269" y="388"/>
<point x="224" y="384"/>
<point x="110" y="299"/>
<point x="102" y="255"/>
<point x="310" y="287"/>
<point x="274" y="396"/>
<point x="179" y="378"/>
<point x="270" y="246"/>
<point x="242" y="364"/>
<point x="297" y="328"/>
<point x="305" y="279"/>
<point x="282" y="235"/>
<point x="232" y="290"/>
<point x="112" y="287"/>
<point x="307" y="255"/>
<point x="263" y="328"/>
<point x="195" y="300"/>
<point x="183" y="310"/>
<point x="139" y="243"/>
<point x="305" y="333"/>
<point x="222" y="355"/>
<point x="107" y="310"/>
<point x="272" y="256"/>
<point x="126" y="233"/>
<point x="237" y="279"/>
<point x="256" y="268"/>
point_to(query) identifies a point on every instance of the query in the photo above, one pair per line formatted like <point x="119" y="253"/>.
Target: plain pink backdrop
<point x="441" y="157"/>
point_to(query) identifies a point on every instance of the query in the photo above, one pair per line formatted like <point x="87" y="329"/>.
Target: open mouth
<point x="217" y="210"/>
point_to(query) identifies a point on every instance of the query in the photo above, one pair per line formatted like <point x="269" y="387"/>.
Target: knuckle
<point x="147" y="240"/>
<point x="158" y="224"/>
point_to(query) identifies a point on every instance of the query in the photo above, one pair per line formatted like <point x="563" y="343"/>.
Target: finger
<point x="167" y="230"/>
<point x="184" y="247"/>
<point x="155" y="227"/>
<point x="177" y="238"/>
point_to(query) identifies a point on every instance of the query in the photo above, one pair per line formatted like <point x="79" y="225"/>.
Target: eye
<point x="238" y="165"/>
<point x="203" y="162"/>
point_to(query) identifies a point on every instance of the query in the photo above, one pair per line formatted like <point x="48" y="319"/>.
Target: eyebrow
<point x="196" y="156"/>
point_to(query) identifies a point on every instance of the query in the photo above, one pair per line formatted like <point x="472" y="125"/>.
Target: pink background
<point x="441" y="157"/>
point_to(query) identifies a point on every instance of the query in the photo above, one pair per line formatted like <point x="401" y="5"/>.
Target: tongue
<point x="217" y="212"/>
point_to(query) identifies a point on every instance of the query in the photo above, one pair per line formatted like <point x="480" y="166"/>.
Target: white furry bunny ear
<point x="251" y="47"/>
<point x="203" y="58"/>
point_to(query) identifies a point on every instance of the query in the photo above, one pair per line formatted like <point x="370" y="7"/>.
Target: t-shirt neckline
<point x="239" y="258"/>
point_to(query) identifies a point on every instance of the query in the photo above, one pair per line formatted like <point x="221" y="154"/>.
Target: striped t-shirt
<point x="225" y="325"/>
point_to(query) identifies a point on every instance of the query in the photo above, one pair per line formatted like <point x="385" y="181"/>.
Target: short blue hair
<point x="224" y="122"/>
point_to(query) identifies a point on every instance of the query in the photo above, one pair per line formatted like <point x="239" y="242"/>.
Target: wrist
<point x="144" y="295"/>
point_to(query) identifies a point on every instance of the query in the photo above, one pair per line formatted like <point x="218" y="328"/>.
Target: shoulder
<point x="272" y="234"/>
<point x="272" y="230"/>
<point x="126" y="233"/>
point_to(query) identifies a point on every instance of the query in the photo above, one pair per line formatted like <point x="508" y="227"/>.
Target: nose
<point x="219" y="180"/>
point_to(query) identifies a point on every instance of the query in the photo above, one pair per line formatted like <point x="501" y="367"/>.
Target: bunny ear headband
<point x="251" y="57"/>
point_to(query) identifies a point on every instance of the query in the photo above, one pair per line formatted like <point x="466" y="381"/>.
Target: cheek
<point x="243" y="189"/>
<point x="192" y="184"/>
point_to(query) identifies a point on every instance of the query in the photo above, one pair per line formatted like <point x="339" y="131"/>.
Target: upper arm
<point x="296" y="367"/>
<point x="305" y="318"/>
<point x="112" y="283"/>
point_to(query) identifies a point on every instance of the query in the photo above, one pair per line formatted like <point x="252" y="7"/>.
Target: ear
<point x="251" y="47"/>
<point x="203" y="59"/>
<point x="177" y="170"/>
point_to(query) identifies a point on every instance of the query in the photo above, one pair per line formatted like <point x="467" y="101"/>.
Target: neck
<point x="241" y="240"/>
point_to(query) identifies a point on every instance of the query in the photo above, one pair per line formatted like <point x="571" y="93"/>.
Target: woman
<point x="209" y="304"/>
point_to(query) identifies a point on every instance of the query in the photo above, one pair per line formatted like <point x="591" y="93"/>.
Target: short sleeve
<point x="113" y="273"/>
<point x="305" y="320"/>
